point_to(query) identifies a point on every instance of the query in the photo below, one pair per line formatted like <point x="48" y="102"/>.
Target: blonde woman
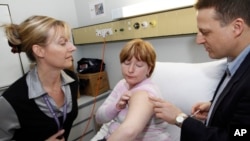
<point x="42" y="104"/>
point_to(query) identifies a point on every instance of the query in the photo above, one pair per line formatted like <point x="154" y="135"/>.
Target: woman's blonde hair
<point x="34" y="30"/>
<point x="141" y="50"/>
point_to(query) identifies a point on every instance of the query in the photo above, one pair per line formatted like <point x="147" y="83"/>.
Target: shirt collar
<point x="35" y="88"/>
<point x="233" y="65"/>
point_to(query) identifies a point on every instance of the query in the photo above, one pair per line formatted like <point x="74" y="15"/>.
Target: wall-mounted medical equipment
<point x="172" y="22"/>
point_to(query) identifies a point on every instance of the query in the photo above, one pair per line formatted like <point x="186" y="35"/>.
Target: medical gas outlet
<point x="166" y="23"/>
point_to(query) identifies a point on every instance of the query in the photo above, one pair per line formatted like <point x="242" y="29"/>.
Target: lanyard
<point x="45" y="97"/>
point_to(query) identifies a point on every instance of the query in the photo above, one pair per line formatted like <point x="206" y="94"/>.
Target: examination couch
<point x="183" y="84"/>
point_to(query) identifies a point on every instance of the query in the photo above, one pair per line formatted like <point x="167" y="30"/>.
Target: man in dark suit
<point x="224" y="30"/>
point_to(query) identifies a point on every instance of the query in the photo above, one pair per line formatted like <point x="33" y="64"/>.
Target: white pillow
<point x="185" y="84"/>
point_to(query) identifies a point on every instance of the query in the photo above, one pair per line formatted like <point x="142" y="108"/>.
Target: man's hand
<point x="203" y="108"/>
<point x="165" y="110"/>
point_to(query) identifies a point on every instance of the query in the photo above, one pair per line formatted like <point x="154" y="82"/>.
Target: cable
<point x="96" y="91"/>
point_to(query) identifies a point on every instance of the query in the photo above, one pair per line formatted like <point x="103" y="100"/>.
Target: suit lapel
<point x="237" y="76"/>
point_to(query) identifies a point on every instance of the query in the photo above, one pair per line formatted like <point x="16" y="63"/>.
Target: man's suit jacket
<point x="231" y="109"/>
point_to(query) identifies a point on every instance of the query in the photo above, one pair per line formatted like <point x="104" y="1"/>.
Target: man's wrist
<point x="180" y="119"/>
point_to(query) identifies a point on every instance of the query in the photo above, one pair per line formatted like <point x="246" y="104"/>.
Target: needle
<point x="196" y="112"/>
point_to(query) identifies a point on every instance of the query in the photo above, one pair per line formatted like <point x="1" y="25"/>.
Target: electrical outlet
<point x="104" y="32"/>
<point x="109" y="31"/>
<point x="98" y="32"/>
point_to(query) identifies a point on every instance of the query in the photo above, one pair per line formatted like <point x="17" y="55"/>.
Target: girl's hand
<point x="121" y="104"/>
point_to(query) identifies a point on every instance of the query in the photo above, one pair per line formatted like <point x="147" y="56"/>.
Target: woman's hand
<point x="56" y="136"/>
<point x="121" y="104"/>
